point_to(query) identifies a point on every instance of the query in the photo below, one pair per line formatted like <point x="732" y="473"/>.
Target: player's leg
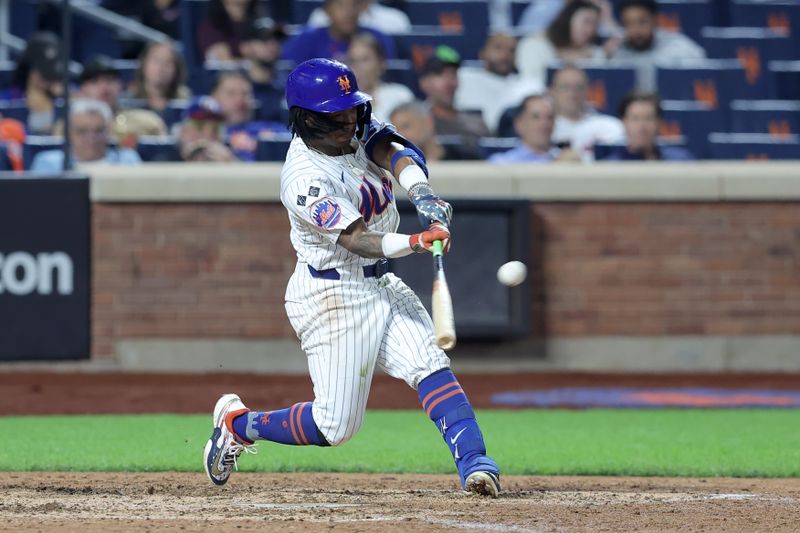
<point x="409" y="352"/>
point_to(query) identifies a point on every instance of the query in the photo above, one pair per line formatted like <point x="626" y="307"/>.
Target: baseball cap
<point x="98" y="66"/>
<point x="42" y="55"/>
<point x="442" y="57"/>
<point x="263" y="29"/>
<point x="203" y="108"/>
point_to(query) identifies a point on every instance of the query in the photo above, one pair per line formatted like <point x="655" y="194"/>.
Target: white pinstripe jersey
<point x="325" y="194"/>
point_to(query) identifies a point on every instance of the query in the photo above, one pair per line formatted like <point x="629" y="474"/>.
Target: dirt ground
<point x="349" y="502"/>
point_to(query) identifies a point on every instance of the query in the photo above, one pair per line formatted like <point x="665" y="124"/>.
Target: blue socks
<point x="294" y="425"/>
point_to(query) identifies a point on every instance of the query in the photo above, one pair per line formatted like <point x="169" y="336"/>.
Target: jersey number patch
<point x="371" y="202"/>
<point x="326" y="213"/>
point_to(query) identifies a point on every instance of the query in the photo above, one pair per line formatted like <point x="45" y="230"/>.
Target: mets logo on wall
<point x="344" y="84"/>
<point x="326" y="213"/>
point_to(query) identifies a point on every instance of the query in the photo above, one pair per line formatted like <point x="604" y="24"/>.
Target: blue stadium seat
<point x="693" y="121"/>
<point x="301" y="10"/>
<point x="126" y="68"/>
<point x="753" y="47"/>
<point x="775" y="117"/>
<point x="785" y="79"/>
<point x="460" y="16"/>
<point x="192" y="14"/>
<point x="173" y="113"/>
<point x="778" y="15"/>
<point x="607" y="86"/>
<point x="38" y="143"/>
<point x="753" y="146"/>
<point x="156" y="148"/>
<point x="22" y="18"/>
<point x="6" y="73"/>
<point x="686" y="16"/>
<point x="488" y="146"/>
<point x="602" y="151"/>
<point x="713" y="82"/>
<point x="401" y="71"/>
<point x="419" y="44"/>
<point x="16" y="109"/>
<point x="273" y="149"/>
<point x="518" y="7"/>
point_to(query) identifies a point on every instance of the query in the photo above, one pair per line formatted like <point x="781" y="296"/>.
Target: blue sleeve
<point x="48" y="162"/>
<point x="295" y="48"/>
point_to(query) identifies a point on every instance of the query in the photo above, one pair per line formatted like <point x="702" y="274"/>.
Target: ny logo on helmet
<point x="344" y="84"/>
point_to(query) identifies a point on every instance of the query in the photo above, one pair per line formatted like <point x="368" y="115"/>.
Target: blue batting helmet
<point x="323" y="85"/>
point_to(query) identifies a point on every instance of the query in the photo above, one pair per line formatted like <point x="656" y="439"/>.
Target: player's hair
<point x="649" y="5"/>
<point x="558" y="33"/>
<point x="633" y="97"/>
<point x="310" y="125"/>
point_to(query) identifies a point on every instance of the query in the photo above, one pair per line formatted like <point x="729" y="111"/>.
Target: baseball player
<point x="349" y="313"/>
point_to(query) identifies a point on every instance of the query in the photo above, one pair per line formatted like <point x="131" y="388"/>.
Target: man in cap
<point x="261" y="48"/>
<point x="200" y="133"/>
<point x="99" y="80"/>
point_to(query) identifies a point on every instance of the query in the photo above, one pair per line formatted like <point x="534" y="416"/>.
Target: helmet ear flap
<point x="363" y="119"/>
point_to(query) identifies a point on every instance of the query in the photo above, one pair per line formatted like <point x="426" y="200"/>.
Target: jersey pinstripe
<point x="350" y="325"/>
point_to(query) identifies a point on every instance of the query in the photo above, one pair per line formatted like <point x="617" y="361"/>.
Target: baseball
<point x="512" y="273"/>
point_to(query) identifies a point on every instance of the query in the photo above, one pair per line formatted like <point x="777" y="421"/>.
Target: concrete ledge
<point x="651" y="182"/>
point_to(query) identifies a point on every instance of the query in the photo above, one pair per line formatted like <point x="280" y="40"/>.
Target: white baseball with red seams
<point x="348" y="322"/>
<point x="512" y="273"/>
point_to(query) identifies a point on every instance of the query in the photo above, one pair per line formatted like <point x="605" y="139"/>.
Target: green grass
<point x="758" y="443"/>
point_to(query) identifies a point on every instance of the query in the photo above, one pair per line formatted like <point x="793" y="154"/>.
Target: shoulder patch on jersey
<point x="326" y="213"/>
<point x="301" y="200"/>
<point x="313" y="191"/>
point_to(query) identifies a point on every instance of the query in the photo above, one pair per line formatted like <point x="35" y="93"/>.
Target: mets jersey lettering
<point x="371" y="202"/>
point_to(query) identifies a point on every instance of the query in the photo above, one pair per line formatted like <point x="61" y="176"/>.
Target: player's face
<point x="340" y="138"/>
<point x="639" y="25"/>
<point x="535" y="124"/>
<point x="641" y="126"/>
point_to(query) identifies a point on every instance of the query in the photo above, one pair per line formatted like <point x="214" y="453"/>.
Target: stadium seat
<point x="5" y="163"/>
<point x="16" y="109"/>
<point x="713" y="82"/>
<point x="785" y="79"/>
<point x="602" y="151"/>
<point x="460" y="16"/>
<point x="782" y="16"/>
<point x="693" y="121"/>
<point x="126" y="68"/>
<point x="22" y="18"/>
<point x="778" y="118"/>
<point x="38" y="143"/>
<point x="6" y="73"/>
<point x="607" y="86"/>
<point x="301" y="10"/>
<point x="686" y="16"/>
<point x="492" y="145"/>
<point x="401" y="71"/>
<point x="192" y="14"/>
<point x="419" y="44"/>
<point x="173" y="113"/>
<point x="273" y="149"/>
<point x="518" y="7"/>
<point x="753" y="47"/>
<point x="753" y="146"/>
<point x="156" y="148"/>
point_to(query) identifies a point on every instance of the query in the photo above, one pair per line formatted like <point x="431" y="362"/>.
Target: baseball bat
<point x="441" y="303"/>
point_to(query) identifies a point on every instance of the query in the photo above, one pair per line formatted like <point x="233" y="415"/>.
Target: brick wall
<point x="220" y="270"/>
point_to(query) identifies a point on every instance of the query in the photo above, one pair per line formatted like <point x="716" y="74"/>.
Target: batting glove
<point x="431" y="209"/>
<point x="422" y="242"/>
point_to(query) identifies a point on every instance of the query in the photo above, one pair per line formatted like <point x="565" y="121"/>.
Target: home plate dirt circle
<point x="376" y="502"/>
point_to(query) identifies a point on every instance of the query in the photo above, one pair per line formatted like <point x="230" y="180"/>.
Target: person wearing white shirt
<point x="367" y="59"/>
<point x="373" y="15"/>
<point x="494" y="86"/>
<point x="578" y="125"/>
<point x="89" y="135"/>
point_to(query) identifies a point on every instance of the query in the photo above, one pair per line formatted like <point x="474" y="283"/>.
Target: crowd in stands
<point x="529" y="94"/>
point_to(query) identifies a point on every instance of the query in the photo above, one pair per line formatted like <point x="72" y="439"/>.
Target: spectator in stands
<point x="39" y="80"/>
<point x="131" y="124"/>
<point x="234" y="92"/>
<point x="534" y="125"/>
<point x="89" y="135"/>
<point x="646" y="47"/>
<point x="160" y="77"/>
<point x="261" y="47"/>
<point x="570" y="38"/>
<point x="541" y="13"/>
<point x="333" y="40"/>
<point x="200" y="133"/>
<point x="577" y="124"/>
<point x="373" y="15"/>
<point x="161" y="15"/>
<point x="12" y="139"/>
<point x="438" y="81"/>
<point x="99" y="80"/>
<point x="495" y="85"/>
<point x="641" y="115"/>
<point x="414" y="121"/>
<point x="368" y="61"/>
<point x="220" y="34"/>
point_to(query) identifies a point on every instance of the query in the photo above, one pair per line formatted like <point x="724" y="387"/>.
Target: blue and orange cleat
<point x="223" y="449"/>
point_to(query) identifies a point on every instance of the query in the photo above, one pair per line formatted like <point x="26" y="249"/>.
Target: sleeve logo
<point x="326" y="213"/>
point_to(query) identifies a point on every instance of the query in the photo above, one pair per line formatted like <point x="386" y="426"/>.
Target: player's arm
<point x="360" y="240"/>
